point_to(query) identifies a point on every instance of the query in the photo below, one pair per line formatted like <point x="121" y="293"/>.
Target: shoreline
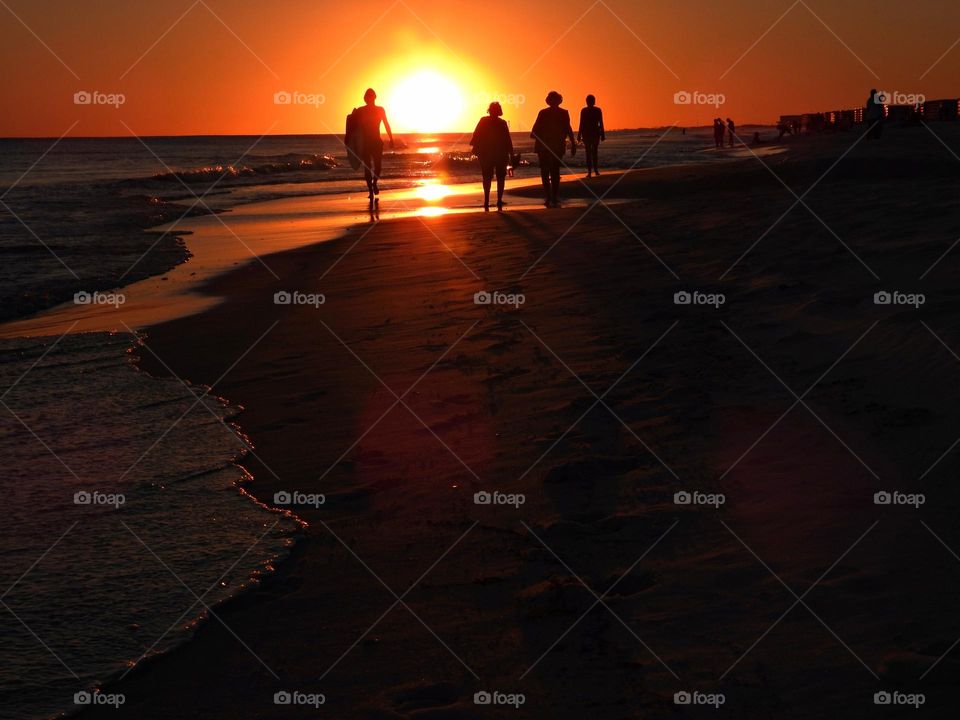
<point x="399" y="499"/>
<point x="214" y="247"/>
<point x="274" y="581"/>
<point x="176" y="291"/>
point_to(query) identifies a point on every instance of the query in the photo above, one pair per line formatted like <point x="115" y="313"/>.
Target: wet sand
<point x="598" y="399"/>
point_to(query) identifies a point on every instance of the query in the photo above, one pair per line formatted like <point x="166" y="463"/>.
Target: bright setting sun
<point x="425" y="101"/>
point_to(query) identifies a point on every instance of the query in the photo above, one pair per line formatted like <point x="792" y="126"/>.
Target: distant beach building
<point x="903" y="114"/>
<point x="941" y="110"/>
<point x="947" y="110"/>
<point x="836" y="120"/>
<point x="812" y="122"/>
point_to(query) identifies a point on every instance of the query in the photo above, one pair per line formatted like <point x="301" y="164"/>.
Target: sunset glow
<point x="436" y="69"/>
<point x="426" y="101"/>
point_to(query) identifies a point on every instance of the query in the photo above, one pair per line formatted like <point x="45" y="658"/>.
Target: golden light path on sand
<point x="246" y="233"/>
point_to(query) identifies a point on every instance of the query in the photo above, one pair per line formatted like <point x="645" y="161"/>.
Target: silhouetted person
<point x="874" y="115"/>
<point x="550" y="132"/>
<point x="732" y="130"/>
<point x="368" y="119"/>
<point x="591" y="134"/>
<point x="718" y="132"/>
<point x="493" y="147"/>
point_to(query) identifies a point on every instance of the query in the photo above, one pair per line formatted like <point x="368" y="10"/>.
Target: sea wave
<point x="296" y="164"/>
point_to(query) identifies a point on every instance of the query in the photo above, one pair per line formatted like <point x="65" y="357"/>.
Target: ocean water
<point x="90" y="585"/>
<point x="120" y="503"/>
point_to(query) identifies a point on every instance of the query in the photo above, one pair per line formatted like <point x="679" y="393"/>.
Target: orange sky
<point x="217" y="70"/>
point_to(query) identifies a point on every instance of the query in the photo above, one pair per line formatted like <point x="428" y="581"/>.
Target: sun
<point x="425" y="101"/>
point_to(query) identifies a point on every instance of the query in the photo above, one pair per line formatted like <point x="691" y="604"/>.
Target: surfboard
<point x="353" y="139"/>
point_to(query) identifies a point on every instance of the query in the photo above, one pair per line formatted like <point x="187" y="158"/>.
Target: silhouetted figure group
<point x="721" y="129"/>
<point x="550" y="133"/>
<point x="491" y="143"/>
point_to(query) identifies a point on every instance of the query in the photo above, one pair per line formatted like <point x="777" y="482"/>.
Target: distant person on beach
<point x="732" y="130"/>
<point x="591" y="134"/>
<point x="718" y="133"/>
<point x="756" y="139"/>
<point x="874" y="115"/>
<point x="550" y="133"/>
<point x="493" y="147"/>
<point x="367" y="119"/>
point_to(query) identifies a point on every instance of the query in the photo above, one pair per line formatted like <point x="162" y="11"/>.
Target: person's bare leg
<point x="501" y="181"/>
<point x="545" y="180"/>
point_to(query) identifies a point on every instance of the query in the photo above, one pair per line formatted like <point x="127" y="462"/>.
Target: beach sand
<point x="598" y="399"/>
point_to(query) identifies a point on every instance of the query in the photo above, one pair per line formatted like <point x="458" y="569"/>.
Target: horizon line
<point x="399" y="133"/>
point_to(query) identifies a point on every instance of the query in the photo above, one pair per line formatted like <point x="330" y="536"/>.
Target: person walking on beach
<point x="366" y="142"/>
<point x="718" y="133"/>
<point x="493" y="147"/>
<point x="550" y="133"/>
<point x="874" y="115"/>
<point x="591" y="134"/>
<point x="732" y="130"/>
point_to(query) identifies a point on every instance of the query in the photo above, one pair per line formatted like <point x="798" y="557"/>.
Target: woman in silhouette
<point x="492" y="145"/>
<point x="550" y="133"/>
<point x="591" y="134"/>
<point x="368" y="118"/>
<point x="718" y="133"/>
<point x="874" y="115"/>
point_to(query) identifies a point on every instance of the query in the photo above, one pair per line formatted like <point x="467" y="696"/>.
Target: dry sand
<point x="598" y="399"/>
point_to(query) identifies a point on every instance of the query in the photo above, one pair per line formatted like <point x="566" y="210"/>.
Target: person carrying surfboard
<point x="364" y="145"/>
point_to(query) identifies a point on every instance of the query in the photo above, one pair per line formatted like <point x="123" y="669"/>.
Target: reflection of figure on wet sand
<point x="493" y="147"/>
<point x="550" y="133"/>
<point x="591" y="134"/>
